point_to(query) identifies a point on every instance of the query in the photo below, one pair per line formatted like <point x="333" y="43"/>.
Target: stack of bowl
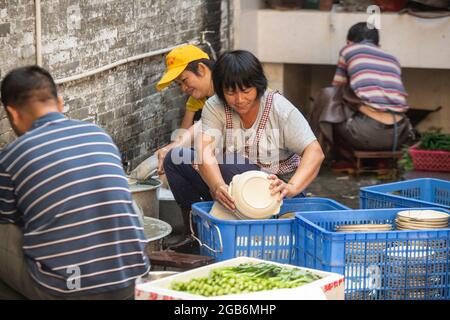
<point x="421" y="220"/>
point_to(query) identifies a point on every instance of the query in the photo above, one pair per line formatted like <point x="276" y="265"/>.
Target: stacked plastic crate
<point x="406" y="264"/>
<point x="269" y="239"/>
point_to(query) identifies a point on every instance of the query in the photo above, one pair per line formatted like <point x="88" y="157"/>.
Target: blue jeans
<point x="185" y="182"/>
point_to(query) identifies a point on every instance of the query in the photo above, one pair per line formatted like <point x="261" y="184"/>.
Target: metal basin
<point x="155" y="230"/>
<point x="145" y="196"/>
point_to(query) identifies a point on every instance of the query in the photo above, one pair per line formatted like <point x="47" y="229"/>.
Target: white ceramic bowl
<point x="251" y="193"/>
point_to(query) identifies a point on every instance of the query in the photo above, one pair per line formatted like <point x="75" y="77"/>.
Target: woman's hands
<point x="161" y="154"/>
<point x="220" y="193"/>
<point x="279" y="186"/>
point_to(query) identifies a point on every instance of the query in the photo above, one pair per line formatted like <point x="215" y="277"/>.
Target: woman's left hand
<point x="279" y="186"/>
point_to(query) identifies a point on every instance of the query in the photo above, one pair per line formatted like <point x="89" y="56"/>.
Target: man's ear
<point x="60" y="104"/>
<point x="202" y="69"/>
<point x="13" y="114"/>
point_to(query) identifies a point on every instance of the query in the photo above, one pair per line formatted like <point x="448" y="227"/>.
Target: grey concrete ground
<point x="344" y="188"/>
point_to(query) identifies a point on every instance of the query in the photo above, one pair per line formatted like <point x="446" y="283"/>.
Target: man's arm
<point x="188" y="119"/>
<point x="184" y="138"/>
<point x="210" y="172"/>
<point x="340" y="77"/>
<point x="306" y="172"/>
<point x="308" y="169"/>
<point x="8" y="209"/>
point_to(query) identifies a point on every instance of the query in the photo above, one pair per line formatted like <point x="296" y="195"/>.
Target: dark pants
<point x="188" y="186"/>
<point x="17" y="284"/>
<point x="364" y="133"/>
<point x="185" y="182"/>
<point x="336" y="117"/>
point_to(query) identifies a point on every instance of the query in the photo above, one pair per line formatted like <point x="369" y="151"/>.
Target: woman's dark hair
<point x="193" y="66"/>
<point x="238" y="69"/>
<point x="360" y="32"/>
<point x="26" y="83"/>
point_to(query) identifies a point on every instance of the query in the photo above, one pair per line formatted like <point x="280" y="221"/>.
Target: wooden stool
<point x="359" y="155"/>
<point x="178" y="260"/>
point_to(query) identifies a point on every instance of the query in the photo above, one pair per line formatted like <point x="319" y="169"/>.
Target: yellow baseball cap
<point x="177" y="60"/>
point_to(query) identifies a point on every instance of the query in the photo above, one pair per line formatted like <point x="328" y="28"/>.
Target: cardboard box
<point x="330" y="287"/>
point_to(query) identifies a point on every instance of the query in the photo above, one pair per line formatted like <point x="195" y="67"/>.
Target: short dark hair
<point x="193" y="66"/>
<point x="27" y="83"/>
<point x="360" y="32"/>
<point x="238" y="69"/>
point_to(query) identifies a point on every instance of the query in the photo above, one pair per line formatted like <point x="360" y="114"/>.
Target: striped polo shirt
<point x="63" y="183"/>
<point x="374" y="76"/>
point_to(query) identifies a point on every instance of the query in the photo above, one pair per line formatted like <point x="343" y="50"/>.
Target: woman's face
<point x="196" y="86"/>
<point x="242" y="101"/>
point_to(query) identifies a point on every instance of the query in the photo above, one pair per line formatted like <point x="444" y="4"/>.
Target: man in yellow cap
<point x="191" y="69"/>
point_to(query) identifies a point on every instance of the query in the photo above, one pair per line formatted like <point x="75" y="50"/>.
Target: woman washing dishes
<point x="253" y="128"/>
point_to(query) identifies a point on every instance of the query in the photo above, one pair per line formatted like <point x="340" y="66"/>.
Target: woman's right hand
<point x="161" y="154"/>
<point x="220" y="193"/>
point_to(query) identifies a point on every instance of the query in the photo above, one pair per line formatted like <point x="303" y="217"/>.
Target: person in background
<point x="366" y="105"/>
<point x="68" y="229"/>
<point x="257" y="129"/>
<point x="190" y="68"/>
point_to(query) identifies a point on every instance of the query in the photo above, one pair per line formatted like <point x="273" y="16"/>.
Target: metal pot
<point x="155" y="230"/>
<point x="144" y="193"/>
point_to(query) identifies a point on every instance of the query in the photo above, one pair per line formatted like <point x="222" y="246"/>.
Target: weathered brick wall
<point x="78" y="36"/>
<point x="16" y="47"/>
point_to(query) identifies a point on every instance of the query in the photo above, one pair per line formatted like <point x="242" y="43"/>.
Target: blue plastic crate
<point x="387" y="265"/>
<point x="269" y="239"/>
<point x="407" y="194"/>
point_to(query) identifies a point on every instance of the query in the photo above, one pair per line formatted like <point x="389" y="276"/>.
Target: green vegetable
<point x="246" y="277"/>
<point x="434" y="140"/>
<point x="405" y="161"/>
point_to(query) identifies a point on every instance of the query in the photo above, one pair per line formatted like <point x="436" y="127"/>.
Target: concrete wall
<point x="299" y="50"/>
<point x="315" y="37"/>
<point x="78" y="36"/>
<point x="427" y="88"/>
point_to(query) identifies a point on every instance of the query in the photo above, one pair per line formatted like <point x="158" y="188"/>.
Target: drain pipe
<point x="204" y="41"/>
<point x="120" y="62"/>
<point x="229" y="24"/>
<point x="37" y="5"/>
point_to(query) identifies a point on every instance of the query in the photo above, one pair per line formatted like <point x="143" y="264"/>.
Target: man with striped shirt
<point x="67" y="225"/>
<point x="368" y="102"/>
<point x="373" y="74"/>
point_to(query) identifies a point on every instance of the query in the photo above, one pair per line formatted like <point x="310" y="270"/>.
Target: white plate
<point x="252" y="197"/>
<point x="421" y="224"/>
<point x="431" y="222"/>
<point x="423" y="215"/>
<point x="220" y="212"/>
